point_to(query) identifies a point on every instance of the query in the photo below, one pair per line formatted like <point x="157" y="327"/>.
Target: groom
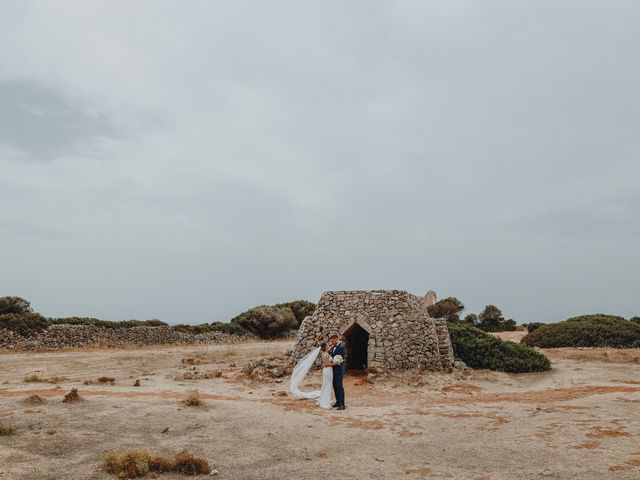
<point x="338" y="370"/>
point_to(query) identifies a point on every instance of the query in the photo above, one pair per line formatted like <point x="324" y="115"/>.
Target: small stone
<point x="165" y="430"/>
<point x="214" y="472"/>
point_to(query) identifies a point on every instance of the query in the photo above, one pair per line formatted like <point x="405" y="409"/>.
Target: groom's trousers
<point x="338" y="388"/>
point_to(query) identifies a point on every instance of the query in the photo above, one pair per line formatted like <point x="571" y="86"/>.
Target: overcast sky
<point x="188" y="160"/>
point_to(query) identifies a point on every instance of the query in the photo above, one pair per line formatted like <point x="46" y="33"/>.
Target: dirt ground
<point x="581" y="420"/>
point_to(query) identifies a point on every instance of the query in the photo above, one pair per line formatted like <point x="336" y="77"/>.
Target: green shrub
<point x="300" y="309"/>
<point x="25" y="324"/>
<point x="534" y="326"/>
<point x="635" y="320"/>
<point x="231" y="328"/>
<point x="266" y="321"/>
<point x="106" y="323"/>
<point x="480" y="350"/>
<point x="192" y="329"/>
<point x="598" y="330"/>
<point x="471" y="319"/>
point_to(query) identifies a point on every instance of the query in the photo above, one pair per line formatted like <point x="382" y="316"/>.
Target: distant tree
<point x="635" y="319"/>
<point x="471" y="319"/>
<point x="14" y="305"/>
<point x="510" y="325"/>
<point x="491" y="320"/>
<point x="448" y="308"/>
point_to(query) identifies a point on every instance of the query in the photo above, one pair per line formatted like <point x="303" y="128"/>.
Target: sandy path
<point x="580" y="420"/>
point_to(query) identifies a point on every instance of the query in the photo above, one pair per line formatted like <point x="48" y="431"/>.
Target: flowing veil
<point x="300" y="371"/>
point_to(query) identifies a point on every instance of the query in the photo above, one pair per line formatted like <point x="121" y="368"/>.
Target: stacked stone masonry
<point x="401" y="335"/>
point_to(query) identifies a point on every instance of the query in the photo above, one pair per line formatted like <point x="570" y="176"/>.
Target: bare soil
<point x="581" y="420"/>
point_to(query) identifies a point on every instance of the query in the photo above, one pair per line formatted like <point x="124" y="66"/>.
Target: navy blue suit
<point x="338" y="374"/>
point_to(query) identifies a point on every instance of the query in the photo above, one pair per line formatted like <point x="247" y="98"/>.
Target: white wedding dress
<point x="301" y="370"/>
<point x="327" y="388"/>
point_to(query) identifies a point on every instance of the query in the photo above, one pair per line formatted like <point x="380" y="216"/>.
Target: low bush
<point x="106" y="323"/>
<point x="136" y="463"/>
<point x="597" y="330"/>
<point x="29" y="324"/>
<point x="534" y="326"/>
<point x="231" y="328"/>
<point x="299" y="308"/>
<point x="266" y="321"/>
<point x="25" y="324"/>
<point x="481" y="350"/>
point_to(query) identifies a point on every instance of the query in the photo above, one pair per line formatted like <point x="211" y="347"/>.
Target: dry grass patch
<point x="72" y="396"/>
<point x="190" y="361"/>
<point x="101" y="380"/>
<point x="6" y="430"/>
<point x="34" y="399"/>
<point x="34" y="378"/>
<point x="188" y="464"/>
<point x="199" y="375"/>
<point x="138" y="463"/>
<point x="193" y="399"/>
<point x="56" y="379"/>
<point x="601" y="354"/>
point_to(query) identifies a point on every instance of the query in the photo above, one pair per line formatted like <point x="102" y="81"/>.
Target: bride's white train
<point x="323" y="396"/>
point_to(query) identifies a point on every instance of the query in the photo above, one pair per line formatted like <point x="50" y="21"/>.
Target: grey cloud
<point x="43" y="123"/>
<point x="239" y="153"/>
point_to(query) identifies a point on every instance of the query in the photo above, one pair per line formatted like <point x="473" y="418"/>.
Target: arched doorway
<point x="357" y="340"/>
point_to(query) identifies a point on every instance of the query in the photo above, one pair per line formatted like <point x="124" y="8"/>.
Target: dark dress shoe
<point x="341" y="407"/>
<point x="335" y="405"/>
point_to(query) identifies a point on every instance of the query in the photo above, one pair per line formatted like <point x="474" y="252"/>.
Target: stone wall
<point x="401" y="333"/>
<point x="444" y="343"/>
<point x="78" y="336"/>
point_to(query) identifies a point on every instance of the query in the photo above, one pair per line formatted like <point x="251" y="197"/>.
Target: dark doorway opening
<point x="357" y="347"/>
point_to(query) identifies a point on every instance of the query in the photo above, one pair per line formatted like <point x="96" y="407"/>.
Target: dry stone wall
<point x="401" y="333"/>
<point x="78" y="336"/>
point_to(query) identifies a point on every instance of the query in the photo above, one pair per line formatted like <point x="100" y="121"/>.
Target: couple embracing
<point x="332" y="374"/>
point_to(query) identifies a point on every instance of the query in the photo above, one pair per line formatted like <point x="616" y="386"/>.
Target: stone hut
<point x="388" y="329"/>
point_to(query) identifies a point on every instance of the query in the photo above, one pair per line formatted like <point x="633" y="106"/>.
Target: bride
<point x="323" y="396"/>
